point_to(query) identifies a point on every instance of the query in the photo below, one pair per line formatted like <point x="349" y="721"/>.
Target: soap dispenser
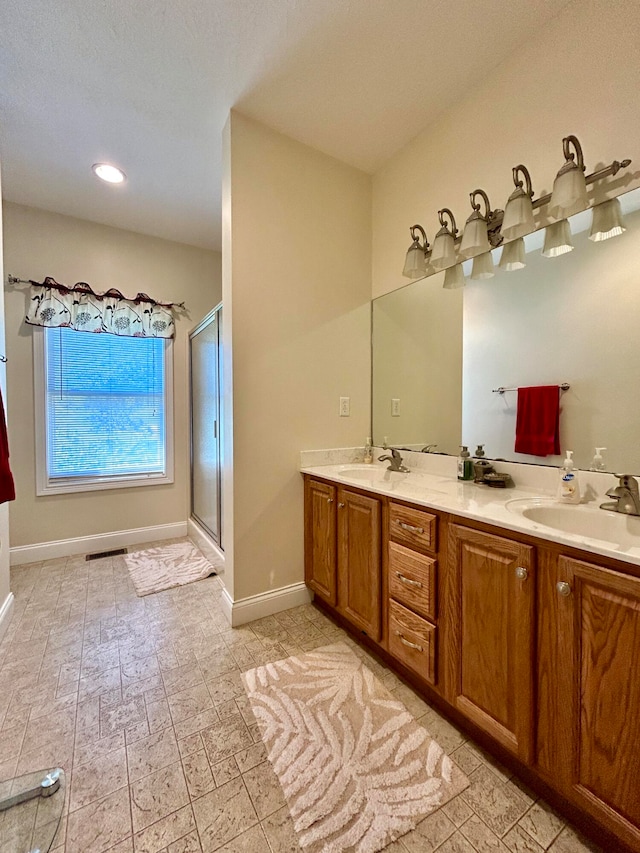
<point x="597" y="463"/>
<point x="465" y="468"/>
<point x="568" y="487"/>
<point x="368" y="451"/>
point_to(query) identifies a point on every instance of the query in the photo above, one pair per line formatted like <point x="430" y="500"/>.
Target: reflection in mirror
<point x="571" y="318"/>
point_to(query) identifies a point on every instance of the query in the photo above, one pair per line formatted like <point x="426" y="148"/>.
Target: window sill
<point x="63" y="487"/>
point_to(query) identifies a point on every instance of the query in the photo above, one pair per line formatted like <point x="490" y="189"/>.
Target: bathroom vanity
<point x="527" y="634"/>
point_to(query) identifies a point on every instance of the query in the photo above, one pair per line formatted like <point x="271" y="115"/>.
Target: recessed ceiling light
<point x="110" y="174"/>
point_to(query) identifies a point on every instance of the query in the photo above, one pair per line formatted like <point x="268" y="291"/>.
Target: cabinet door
<point x="599" y="634"/>
<point x="490" y="646"/>
<point x="320" y="539"/>
<point x="359" y="569"/>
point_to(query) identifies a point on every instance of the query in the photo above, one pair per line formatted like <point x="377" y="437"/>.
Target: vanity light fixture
<point x="415" y="265"/>
<point x="475" y="238"/>
<point x="443" y="253"/>
<point x="482" y="267"/>
<point x="483" y="232"/>
<point x="557" y="239"/>
<point x="108" y="173"/>
<point x="569" y="193"/>
<point x="607" y="221"/>
<point x="513" y="256"/>
<point x="518" y="211"/>
<point x="454" y="278"/>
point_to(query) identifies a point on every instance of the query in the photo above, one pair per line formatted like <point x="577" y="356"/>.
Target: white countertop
<point x="499" y="507"/>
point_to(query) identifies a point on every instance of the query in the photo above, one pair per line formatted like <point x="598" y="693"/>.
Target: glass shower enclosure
<point x="205" y="363"/>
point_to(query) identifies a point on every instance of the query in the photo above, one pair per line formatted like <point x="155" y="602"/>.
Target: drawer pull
<point x="407" y="643"/>
<point x="410" y="527"/>
<point x="408" y="581"/>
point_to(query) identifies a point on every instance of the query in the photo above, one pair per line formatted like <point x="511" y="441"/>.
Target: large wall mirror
<point x="439" y="355"/>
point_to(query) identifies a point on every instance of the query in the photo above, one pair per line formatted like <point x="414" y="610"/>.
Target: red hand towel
<point x="538" y="420"/>
<point x="7" y="489"/>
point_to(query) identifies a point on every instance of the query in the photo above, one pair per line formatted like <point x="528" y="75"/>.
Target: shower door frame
<point x="214" y="315"/>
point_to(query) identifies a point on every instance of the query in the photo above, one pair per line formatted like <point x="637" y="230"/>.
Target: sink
<point x="370" y="473"/>
<point x="414" y="483"/>
<point x="619" y="530"/>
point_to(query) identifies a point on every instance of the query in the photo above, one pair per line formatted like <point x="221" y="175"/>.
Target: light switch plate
<point x="345" y="407"/>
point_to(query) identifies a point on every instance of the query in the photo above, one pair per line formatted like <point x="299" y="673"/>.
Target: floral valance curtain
<point x="80" y="308"/>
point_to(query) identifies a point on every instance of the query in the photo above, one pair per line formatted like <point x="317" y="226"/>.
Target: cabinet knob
<point x="340" y="505"/>
<point x="329" y="500"/>
<point x="563" y="588"/>
<point x="521" y="573"/>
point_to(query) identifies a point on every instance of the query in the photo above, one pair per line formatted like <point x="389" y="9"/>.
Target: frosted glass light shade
<point x="415" y="265"/>
<point x="454" y="278"/>
<point x="443" y="252"/>
<point x="518" y="215"/>
<point x="475" y="239"/>
<point x="607" y="221"/>
<point x="569" y="193"/>
<point x="513" y="256"/>
<point x="557" y="239"/>
<point x="482" y="267"/>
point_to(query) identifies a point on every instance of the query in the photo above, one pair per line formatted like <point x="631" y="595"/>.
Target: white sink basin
<point x="368" y="473"/>
<point x="380" y="477"/>
<point x="619" y="530"/>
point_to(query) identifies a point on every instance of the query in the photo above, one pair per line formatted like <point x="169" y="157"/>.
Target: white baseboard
<point x="226" y="603"/>
<point x="94" y="544"/>
<point x="206" y="544"/>
<point x="264" y="604"/>
<point x="6" y="612"/>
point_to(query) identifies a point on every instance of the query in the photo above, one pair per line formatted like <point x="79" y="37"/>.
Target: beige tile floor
<point x="140" y="701"/>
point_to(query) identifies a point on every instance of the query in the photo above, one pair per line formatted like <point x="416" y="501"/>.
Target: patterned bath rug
<point x="166" y="566"/>
<point x="356" y="769"/>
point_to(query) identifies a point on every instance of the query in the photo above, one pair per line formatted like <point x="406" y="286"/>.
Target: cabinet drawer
<point x="412" y="527"/>
<point x="412" y="641"/>
<point x="412" y="580"/>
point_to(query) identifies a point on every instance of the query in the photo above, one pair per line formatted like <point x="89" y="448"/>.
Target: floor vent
<point x="102" y="554"/>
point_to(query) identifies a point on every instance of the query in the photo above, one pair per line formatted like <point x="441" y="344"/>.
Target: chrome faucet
<point x="395" y="461"/>
<point x="626" y="496"/>
<point x="428" y="448"/>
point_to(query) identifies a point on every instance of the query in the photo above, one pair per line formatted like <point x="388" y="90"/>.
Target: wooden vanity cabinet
<point x="343" y="552"/>
<point x="320" y="557"/>
<point x="598" y="692"/>
<point x="491" y="590"/>
<point x="359" y="569"/>
<point x="537" y="645"/>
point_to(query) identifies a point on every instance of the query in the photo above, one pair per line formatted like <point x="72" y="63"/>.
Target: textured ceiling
<point x="148" y="85"/>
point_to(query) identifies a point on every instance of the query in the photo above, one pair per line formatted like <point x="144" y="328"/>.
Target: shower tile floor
<point x="140" y="701"/>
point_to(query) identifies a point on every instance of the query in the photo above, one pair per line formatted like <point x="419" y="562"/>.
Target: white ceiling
<point x="148" y="85"/>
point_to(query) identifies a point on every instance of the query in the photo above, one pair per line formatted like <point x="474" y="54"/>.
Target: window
<point x="103" y="406"/>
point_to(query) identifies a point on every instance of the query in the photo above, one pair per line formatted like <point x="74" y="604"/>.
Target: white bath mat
<point x="356" y="769"/>
<point x="166" y="566"/>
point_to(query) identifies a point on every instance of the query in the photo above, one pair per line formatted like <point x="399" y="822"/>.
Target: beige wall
<point x="296" y="297"/>
<point x="579" y="75"/>
<point x="38" y="243"/>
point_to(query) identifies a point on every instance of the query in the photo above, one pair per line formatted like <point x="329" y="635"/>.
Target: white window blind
<point x="105" y="400"/>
